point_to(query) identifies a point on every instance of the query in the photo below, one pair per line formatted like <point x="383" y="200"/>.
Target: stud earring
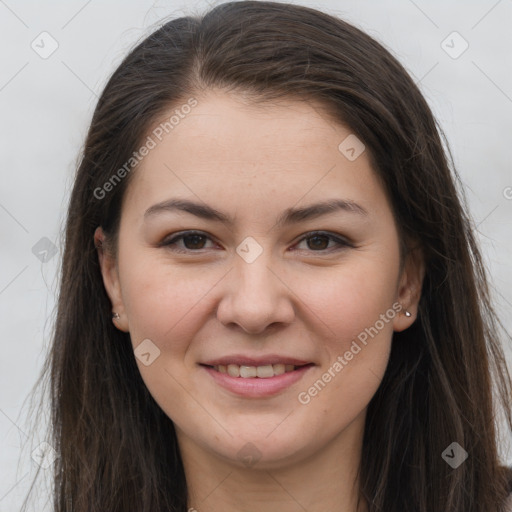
<point x="407" y="314"/>
<point x="115" y="315"/>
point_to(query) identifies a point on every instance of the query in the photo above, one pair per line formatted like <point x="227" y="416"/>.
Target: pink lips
<point x="256" y="387"/>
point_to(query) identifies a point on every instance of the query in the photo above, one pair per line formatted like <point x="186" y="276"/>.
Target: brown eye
<point x="191" y="242"/>
<point x="319" y="242"/>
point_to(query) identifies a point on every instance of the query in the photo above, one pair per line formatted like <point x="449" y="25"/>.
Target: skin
<point x="297" y="298"/>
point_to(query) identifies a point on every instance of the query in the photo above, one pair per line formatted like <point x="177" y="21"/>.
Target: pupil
<point x="195" y="240"/>
<point x="317" y="237"/>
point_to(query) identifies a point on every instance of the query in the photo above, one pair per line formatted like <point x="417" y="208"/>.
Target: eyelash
<point x="342" y="244"/>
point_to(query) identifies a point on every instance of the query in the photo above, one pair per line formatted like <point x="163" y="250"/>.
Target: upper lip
<point x="243" y="360"/>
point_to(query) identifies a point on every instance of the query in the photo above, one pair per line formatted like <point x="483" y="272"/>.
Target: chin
<point x="265" y="447"/>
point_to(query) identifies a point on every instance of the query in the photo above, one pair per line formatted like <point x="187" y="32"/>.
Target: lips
<point x="256" y="376"/>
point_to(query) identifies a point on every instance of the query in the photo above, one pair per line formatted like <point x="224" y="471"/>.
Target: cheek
<point x="354" y="313"/>
<point x="351" y="298"/>
<point x="162" y="301"/>
<point x="162" y="304"/>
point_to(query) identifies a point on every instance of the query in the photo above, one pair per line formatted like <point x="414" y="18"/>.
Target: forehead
<point x="226" y="146"/>
<point x="227" y="120"/>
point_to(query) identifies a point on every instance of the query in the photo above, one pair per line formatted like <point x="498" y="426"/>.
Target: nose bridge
<point x="256" y="297"/>
<point x="252" y="274"/>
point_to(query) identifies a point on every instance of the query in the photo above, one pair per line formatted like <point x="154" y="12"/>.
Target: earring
<point x="115" y="315"/>
<point x="407" y="314"/>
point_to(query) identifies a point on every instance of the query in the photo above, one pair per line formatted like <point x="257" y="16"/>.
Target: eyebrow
<point x="289" y="216"/>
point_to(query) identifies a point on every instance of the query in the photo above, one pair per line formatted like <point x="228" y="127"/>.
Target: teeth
<point x="249" y="372"/>
<point x="279" y="369"/>
<point x="233" y="370"/>
<point x="264" y="372"/>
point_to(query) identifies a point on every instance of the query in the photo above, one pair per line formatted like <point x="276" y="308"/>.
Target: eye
<point x="317" y="241"/>
<point x="194" y="241"/>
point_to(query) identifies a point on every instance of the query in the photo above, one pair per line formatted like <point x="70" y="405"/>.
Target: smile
<point x="250" y="372"/>
<point x="258" y="381"/>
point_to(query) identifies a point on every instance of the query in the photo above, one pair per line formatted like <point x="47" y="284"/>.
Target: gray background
<point x="46" y="105"/>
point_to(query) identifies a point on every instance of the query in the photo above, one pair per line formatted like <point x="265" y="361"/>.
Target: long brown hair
<point x="446" y="380"/>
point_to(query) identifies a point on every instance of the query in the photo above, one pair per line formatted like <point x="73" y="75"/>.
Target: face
<point x="264" y="284"/>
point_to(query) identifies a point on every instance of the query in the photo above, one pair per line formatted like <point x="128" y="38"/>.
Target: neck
<point x="326" y="480"/>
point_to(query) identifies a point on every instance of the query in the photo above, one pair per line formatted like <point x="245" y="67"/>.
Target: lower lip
<point x="256" y="387"/>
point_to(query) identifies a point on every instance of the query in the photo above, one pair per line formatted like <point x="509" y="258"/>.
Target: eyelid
<point x="341" y="241"/>
<point x="172" y="239"/>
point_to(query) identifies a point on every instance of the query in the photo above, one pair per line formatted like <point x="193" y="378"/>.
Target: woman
<point x="209" y="352"/>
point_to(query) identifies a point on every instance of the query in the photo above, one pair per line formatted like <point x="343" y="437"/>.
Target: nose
<point x="255" y="296"/>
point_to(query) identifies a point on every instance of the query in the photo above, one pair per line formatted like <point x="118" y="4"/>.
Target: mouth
<point x="266" y="371"/>
<point x="253" y="378"/>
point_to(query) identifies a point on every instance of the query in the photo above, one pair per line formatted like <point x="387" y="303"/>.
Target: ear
<point x="409" y="289"/>
<point x="109" y="271"/>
